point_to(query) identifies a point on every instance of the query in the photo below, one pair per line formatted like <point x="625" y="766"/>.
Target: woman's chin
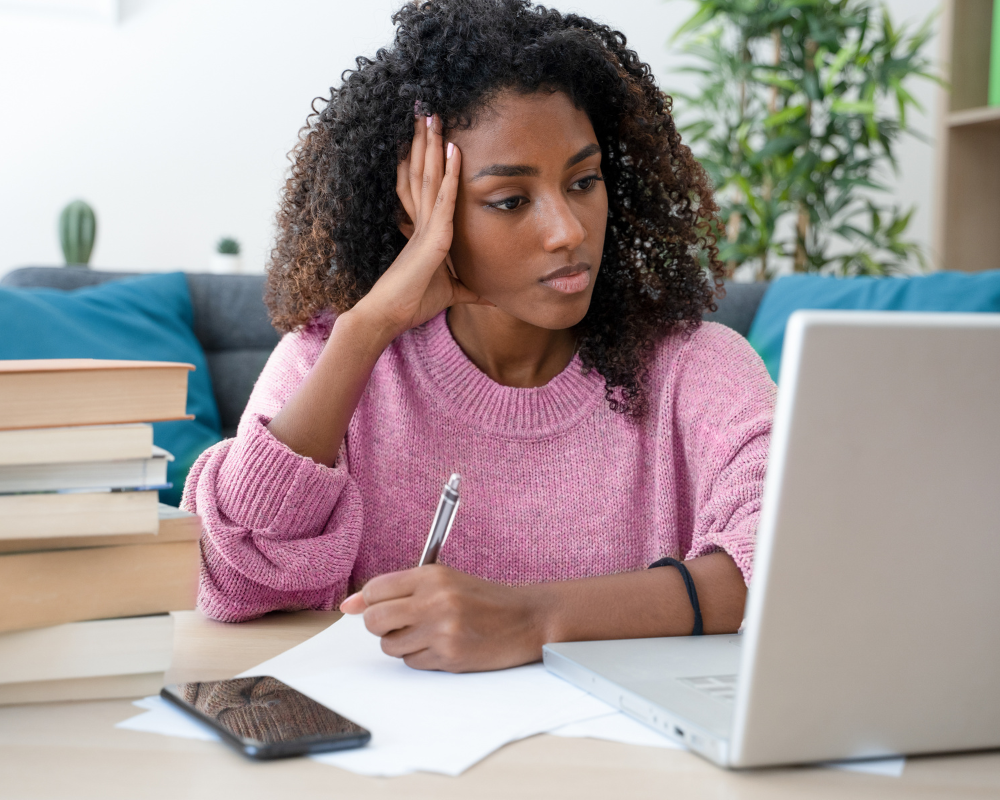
<point x="550" y="311"/>
<point x="556" y="316"/>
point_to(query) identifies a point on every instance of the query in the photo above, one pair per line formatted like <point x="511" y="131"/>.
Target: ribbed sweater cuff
<point x="266" y="487"/>
<point x="738" y="543"/>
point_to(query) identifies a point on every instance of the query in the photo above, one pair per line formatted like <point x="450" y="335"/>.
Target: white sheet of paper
<point x="420" y="720"/>
<point x="161" y="717"/>
<point x="616" y="727"/>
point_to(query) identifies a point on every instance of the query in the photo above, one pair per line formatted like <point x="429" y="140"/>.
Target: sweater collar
<point x="467" y="394"/>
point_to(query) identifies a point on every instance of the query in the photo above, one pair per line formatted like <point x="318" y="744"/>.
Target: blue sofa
<point x="231" y="323"/>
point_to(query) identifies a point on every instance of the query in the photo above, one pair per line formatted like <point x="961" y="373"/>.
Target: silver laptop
<point x="873" y="621"/>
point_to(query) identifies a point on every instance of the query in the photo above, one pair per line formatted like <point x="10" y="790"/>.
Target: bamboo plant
<point x="799" y="109"/>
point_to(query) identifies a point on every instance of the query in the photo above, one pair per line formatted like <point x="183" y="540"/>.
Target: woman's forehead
<point x="520" y="128"/>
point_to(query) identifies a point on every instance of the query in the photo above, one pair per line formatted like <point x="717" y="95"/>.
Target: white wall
<point x="174" y="123"/>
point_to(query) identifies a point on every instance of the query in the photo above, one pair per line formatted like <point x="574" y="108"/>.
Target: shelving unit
<point x="967" y="235"/>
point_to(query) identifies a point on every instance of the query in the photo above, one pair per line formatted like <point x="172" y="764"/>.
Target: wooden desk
<point x="72" y="750"/>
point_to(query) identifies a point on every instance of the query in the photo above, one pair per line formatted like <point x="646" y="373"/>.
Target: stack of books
<point x="90" y="562"/>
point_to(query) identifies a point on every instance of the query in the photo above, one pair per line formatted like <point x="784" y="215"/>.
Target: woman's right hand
<point x="421" y="283"/>
<point x="417" y="286"/>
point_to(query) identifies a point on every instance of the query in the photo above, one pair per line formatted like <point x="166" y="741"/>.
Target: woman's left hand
<point x="434" y="617"/>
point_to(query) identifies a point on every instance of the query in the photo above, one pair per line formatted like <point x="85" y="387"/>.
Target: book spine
<point x="994" y="86"/>
<point x="52" y="588"/>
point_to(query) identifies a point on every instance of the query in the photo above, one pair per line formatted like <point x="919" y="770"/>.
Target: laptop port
<point x="678" y="732"/>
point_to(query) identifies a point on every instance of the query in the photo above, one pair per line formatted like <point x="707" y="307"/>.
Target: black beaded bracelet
<point x="689" y="585"/>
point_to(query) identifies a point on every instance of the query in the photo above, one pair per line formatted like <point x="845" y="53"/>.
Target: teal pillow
<point x="149" y="318"/>
<point x="941" y="291"/>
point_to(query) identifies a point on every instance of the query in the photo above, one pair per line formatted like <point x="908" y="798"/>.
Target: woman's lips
<point x="570" y="284"/>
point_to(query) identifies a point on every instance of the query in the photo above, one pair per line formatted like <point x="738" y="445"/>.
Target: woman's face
<point x="532" y="208"/>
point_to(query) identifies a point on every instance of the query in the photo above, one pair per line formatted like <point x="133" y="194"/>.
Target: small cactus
<point x="228" y="247"/>
<point x="77" y="232"/>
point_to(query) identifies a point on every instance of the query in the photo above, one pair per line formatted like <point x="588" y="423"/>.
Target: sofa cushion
<point x="941" y="291"/>
<point x="146" y="318"/>
<point x="230" y="321"/>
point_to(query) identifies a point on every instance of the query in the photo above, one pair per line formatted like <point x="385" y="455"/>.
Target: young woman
<point x="490" y="261"/>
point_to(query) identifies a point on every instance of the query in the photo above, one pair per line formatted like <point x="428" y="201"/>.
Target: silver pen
<point x="443" y="518"/>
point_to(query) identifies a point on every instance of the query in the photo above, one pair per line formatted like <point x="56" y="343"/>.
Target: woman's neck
<point x="510" y="351"/>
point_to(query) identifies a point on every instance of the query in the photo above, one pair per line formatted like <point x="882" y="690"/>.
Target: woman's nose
<point x="561" y="228"/>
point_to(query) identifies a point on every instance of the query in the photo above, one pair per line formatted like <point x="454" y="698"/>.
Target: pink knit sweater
<point x="555" y="485"/>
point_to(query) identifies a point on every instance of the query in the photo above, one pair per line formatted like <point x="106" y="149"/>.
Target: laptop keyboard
<point x="721" y="687"/>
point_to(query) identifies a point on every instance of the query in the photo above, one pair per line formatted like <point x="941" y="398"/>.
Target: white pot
<point x="225" y="264"/>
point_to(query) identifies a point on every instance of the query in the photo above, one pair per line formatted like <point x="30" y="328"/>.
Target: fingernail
<point x="451" y="147"/>
<point x="429" y="121"/>
<point x="350" y="597"/>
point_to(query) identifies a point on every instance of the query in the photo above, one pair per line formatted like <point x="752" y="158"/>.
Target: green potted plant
<point x="799" y="108"/>
<point x="226" y="259"/>
<point x="77" y="233"/>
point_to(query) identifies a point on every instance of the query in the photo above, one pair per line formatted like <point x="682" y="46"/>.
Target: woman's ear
<point x="406" y="226"/>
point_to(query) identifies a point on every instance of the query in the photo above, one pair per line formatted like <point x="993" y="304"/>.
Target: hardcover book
<point x="51" y="515"/>
<point x="75" y="445"/>
<point x="135" y="473"/>
<point x="84" y="391"/>
<point x="86" y="660"/>
<point x="58" y="586"/>
<point x="81" y="523"/>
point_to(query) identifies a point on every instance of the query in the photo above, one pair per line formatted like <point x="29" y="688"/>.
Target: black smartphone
<point x="265" y="718"/>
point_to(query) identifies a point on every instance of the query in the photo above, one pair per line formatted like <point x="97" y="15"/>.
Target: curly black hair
<point x="338" y="223"/>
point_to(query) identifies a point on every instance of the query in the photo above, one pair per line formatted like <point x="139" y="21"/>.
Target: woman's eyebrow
<point x="586" y="152"/>
<point x="526" y="171"/>
<point x="506" y="171"/>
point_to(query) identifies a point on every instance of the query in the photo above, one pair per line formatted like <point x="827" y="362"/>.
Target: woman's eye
<point x="588" y="183"/>
<point x="507" y="204"/>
